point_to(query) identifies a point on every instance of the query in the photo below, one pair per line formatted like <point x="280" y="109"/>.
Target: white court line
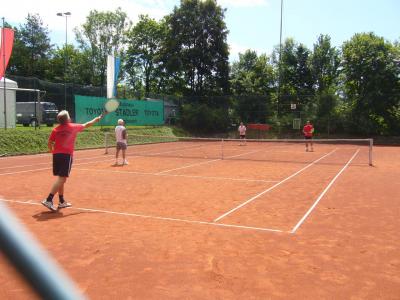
<point x="163" y="152"/>
<point x="46" y="154"/>
<point x="29" y="202"/>
<point x="176" y="175"/>
<point x="272" y="187"/>
<point x="75" y="164"/>
<point x="48" y="168"/>
<point x="207" y="162"/>
<point x="322" y="194"/>
<point x="48" y="163"/>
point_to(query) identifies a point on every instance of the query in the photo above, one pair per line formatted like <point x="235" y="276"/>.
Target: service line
<point x="272" y="187"/>
<point x="323" y="193"/>
<point x="177" y="175"/>
<point x="243" y="227"/>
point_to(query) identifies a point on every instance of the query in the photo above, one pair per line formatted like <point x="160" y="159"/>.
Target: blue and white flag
<point x="113" y="64"/>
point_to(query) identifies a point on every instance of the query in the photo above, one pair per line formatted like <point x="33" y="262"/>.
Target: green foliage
<point x="102" y="34"/>
<point x="252" y="75"/>
<point x="252" y="83"/>
<point x="200" y="118"/>
<point x="325" y="62"/>
<point x="196" y="47"/>
<point x="30" y="141"/>
<point x="32" y="48"/>
<point x="371" y="83"/>
<point x="143" y="62"/>
<point x="326" y="117"/>
<point x="294" y="71"/>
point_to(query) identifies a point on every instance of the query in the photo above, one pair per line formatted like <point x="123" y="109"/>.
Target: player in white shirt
<point x="122" y="144"/>
<point x="242" y="133"/>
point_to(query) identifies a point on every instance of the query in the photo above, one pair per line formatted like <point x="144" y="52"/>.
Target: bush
<point x="200" y="118"/>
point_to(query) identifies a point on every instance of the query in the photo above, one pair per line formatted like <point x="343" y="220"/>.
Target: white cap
<point x="120" y="122"/>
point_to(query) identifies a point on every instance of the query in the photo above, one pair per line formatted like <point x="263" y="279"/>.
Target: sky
<point x="252" y="24"/>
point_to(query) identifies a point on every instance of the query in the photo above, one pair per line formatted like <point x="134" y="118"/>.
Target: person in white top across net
<point x="122" y="143"/>
<point x="242" y="133"/>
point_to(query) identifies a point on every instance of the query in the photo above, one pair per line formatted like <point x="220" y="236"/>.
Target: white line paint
<point x="24" y="156"/>
<point x="176" y="175"/>
<point x="47" y="163"/>
<point x="157" y="217"/>
<point x="272" y="187"/>
<point x="75" y="164"/>
<point x="48" y="168"/>
<point x="24" y="171"/>
<point x="207" y="162"/>
<point x="169" y="151"/>
<point x="322" y="194"/>
<point x="188" y="166"/>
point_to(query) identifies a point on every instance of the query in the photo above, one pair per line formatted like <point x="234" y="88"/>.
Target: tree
<point x="325" y="61"/>
<point x="79" y="65"/>
<point x="143" y="62"/>
<point x="296" y="84"/>
<point x="196" y="48"/>
<point x="371" y="84"/>
<point x="102" y="34"/>
<point x="32" y="49"/>
<point x="252" y="82"/>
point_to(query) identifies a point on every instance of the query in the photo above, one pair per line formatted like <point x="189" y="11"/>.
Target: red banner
<point x="6" y="45"/>
<point x="261" y="127"/>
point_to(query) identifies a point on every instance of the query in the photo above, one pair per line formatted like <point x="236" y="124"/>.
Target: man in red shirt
<point x="308" y="131"/>
<point x="62" y="143"/>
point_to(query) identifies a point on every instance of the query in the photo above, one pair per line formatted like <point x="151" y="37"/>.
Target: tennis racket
<point x="111" y="105"/>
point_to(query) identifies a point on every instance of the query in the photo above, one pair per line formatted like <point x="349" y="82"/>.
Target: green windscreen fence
<point x="133" y="112"/>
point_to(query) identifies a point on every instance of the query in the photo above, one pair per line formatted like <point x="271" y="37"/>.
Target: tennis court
<point x="214" y="219"/>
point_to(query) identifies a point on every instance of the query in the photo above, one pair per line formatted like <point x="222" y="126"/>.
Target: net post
<point x="371" y="143"/>
<point x="106" y="142"/>
<point x="222" y="149"/>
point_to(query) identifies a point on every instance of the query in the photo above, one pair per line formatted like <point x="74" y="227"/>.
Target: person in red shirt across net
<point x="308" y="131"/>
<point x="62" y="143"/>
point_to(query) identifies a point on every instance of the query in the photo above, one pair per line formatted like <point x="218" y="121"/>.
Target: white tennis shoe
<point x="65" y="204"/>
<point x="49" y="205"/>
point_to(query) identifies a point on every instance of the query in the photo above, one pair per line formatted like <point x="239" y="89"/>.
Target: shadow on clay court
<point x="49" y="215"/>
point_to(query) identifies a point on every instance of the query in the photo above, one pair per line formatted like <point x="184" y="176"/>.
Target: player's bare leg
<point x="116" y="157"/>
<point x="124" y="161"/>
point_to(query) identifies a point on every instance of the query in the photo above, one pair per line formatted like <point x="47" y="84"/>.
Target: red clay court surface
<point x="278" y="223"/>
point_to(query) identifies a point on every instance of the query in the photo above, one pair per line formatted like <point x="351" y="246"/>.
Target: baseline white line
<point x="47" y="163"/>
<point x="46" y="154"/>
<point x="25" y="171"/>
<point x="322" y="194"/>
<point x="272" y="187"/>
<point x="156" y="217"/>
<point x="48" y="168"/>
<point x="176" y="175"/>
<point x="75" y="164"/>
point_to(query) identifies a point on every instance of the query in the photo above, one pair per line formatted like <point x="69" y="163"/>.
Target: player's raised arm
<point x="95" y="120"/>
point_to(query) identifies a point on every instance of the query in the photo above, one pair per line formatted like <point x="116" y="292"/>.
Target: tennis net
<point x="284" y="150"/>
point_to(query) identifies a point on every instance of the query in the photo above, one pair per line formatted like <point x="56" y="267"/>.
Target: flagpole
<point x="3" y="46"/>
